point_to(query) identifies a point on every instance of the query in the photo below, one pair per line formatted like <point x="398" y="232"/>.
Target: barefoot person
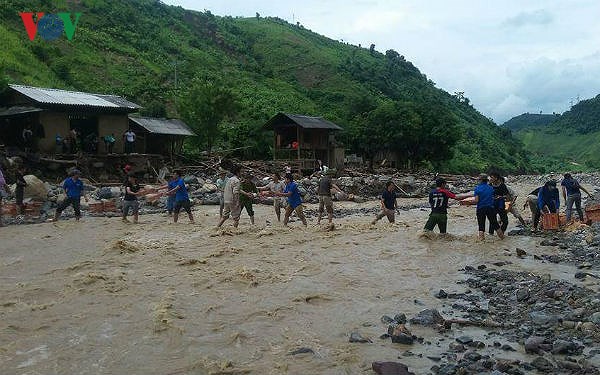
<point x="512" y="204"/>
<point x="484" y="197"/>
<point x="438" y="200"/>
<point x="294" y="200"/>
<point x="325" y="201"/>
<point x="182" y="199"/>
<point x="275" y="187"/>
<point x="130" y="201"/>
<point x="389" y="204"/>
<point x="231" y="198"/>
<point x="73" y="186"/>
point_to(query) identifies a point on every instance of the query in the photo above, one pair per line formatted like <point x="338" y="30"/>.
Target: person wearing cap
<point x="548" y="202"/>
<point x="484" y="198"/>
<point x="73" y="187"/>
<point x="294" y="200"/>
<point x="221" y="182"/>
<point x="571" y="192"/>
<point x="130" y="201"/>
<point x="324" y="192"/>
<point x="274" y="187"/>
<point x="438" y="200"/>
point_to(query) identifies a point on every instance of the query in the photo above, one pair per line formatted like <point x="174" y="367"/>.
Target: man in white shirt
<point x="129" y="139"/>
<point x="231" y="198"/>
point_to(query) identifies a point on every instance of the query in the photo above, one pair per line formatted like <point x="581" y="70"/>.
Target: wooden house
<point x="302" y="140"/>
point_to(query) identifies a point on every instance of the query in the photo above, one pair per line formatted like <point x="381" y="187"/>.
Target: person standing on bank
<point x="129" y="139"/>
<point x="294" y="200"/>
<point x="571" y="192"/>
<point x="389" y="204"/>
<point x="73" y="186"/>
<point x="325" y="200"/>
<point x="3" y="194"/>
<point x="484" y="198"/>
<point x="20" y="188"/>
<point x="438" y="200"/>
<point x="182" y="199"/>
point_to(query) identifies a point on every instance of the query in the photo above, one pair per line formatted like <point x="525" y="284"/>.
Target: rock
<point x="472" y="356"/>
<point x="357" y="337"/>
<point x="541" y="318"/>
<point x="390" y="368"/>
<point x="301" y="351"/>
<point x="428" y="317"/>
<point x="387" y="320"/>
<point x="481" y="267"/>
<point x="548" y="243"/>
<point x="104" y="193"/>
<point x="585" y="265"/>
<point x="542" y="364"/>
<point x="580" y="275"/>
<point x="441" y="294"/>
<point x="588" y="327"/>
<point x="464" y="340"/>
<point x="209" y="188"/>
<point x="35" y="189"/>
<point x="434" y="358"/>
<point x="507" y="348"/>
<point x="520" y="252"/>
<point x="403" y="338"/>
<point x="563" y="347"/>
<point x="448" y="369"/>
<point x="595" y="318"/>
<point x="522" y="295"/>
<point x="457" y="348"/>
<point x="400" y="318"/>
<point x="532" y="344"/>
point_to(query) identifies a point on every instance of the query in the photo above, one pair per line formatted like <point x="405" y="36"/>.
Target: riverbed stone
<point x="428" y="317"/>
<point x="391" y="368"/>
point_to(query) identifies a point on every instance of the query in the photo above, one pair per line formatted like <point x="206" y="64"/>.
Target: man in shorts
<point x="571" y="192"/>
<point x="294" y="200"/>
<point x="130" y="201"/>
<point x="247" y="193"/>
<point x="73" y="186"/>
<point x="274" y="187"/>
<point x="182" y="199"/>
<point x="388" y="203"/>
<point x="325" y="200"/>
<point x="438" y="200"/>
<point x="231" y="198"/>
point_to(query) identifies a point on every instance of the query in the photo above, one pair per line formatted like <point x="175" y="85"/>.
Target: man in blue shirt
<point x="294" y="200"/>
<point x="548" y="202"/>
<point x="182" y="199"/>
<point x="484" y="197"/>
<point x="571" y="192"/>
<point x="73" y="187"/>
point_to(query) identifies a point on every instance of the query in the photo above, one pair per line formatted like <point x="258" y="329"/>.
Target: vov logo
<point x="49" y="26"/>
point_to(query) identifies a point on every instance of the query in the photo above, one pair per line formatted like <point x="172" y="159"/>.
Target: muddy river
<point x="104" y="297"/>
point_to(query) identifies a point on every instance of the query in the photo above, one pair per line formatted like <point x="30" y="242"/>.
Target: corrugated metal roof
<point x="163" y="126"/>
<point x="74" y="98"/>
<point x="306" y="122"/>
<point x="17" y="110"/>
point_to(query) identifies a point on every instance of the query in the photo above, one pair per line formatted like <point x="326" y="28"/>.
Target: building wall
<point x="117" y="124"/>
<point x="53" y="123"/>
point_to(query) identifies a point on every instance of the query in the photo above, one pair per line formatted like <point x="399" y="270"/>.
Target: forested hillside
<point x="569" y="141"/>
<point x="161" y="56"/>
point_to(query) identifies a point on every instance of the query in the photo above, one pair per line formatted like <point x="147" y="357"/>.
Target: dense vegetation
<point x="570" y="141"/>
<point x="159" y="55"/>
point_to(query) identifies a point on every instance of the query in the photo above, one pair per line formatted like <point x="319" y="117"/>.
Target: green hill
<point x="151" y="53"/>
<point x="529" y="120"/>
<point x="570" y="142"/>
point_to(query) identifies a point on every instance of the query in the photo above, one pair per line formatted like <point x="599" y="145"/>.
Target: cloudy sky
<point x="508" y="56"/>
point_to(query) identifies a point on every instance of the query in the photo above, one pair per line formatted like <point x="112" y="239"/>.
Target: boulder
<point x="35" y="189"/>
<point x="390" y="368"/>
<point x="428" y="317"/>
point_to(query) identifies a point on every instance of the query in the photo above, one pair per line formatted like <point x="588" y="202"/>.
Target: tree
<point x="257" y="15"/>
<point x="204" y="105"/>
<point x="372" y="49"/>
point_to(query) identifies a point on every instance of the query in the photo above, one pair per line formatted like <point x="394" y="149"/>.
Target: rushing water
<point x="103" y="297"/>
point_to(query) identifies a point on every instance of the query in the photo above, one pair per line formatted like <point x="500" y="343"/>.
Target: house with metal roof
<point x="56" y="116"/>
<point x="302" y="140"/>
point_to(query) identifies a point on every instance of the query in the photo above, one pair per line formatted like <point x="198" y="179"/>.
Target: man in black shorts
<point x="438" y="200"/>
<point x="182" y="199"/>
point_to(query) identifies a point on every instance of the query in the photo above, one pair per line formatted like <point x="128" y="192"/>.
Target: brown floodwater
<point x="104" y="297"/>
